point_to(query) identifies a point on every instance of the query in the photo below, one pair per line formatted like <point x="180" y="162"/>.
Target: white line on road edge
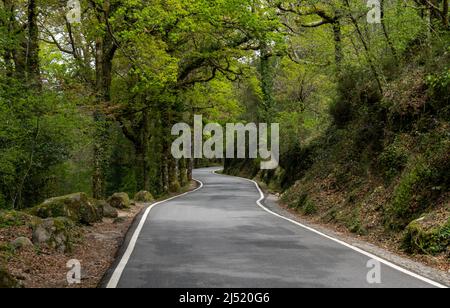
<point x="368" y="254"/>
<point x="115" y="278"/>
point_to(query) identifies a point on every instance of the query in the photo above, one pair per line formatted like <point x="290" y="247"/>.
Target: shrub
<point x="392" y="161"/>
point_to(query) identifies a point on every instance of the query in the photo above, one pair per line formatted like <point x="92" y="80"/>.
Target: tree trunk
<point x="174" y="185"/>
<point x="33" y="68"/>
<point x="183" y="172"/>
<point x="190" y="169"/>
<point x="266" y="75"/>
<point x="105" y="52"/>
<point x="146" y="149"/>
<point x="165" y="177"/>
<point x="339" y="55"/>
<point x="445" y="14"/>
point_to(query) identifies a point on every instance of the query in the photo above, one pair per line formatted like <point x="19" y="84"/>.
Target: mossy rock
<point x="7" y="281"/>
<point x="105" y="210"/>
<point x="77" y="207"/>
<point x="144" y="196"/>
<point x="13" y="219"/>
<point x="428" y="235"/>
<point x="58" y="233"/>
<point x="22" y="243"/>
<point x="120" y="201"/>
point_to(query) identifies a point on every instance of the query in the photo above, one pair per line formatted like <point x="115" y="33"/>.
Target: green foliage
<point x="13" y="218"/>
<point x="305" y="205"/>
<point x="393" y="160"/>
<point x="424" y="239"/>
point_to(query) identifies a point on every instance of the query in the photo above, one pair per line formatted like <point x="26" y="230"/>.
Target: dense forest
<point x="90" y="89"/>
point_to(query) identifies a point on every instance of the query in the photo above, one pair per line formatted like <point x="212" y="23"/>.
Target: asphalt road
<point x="219" y="237"/>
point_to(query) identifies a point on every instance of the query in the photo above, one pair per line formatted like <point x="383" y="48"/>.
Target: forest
<point x="90" y="89"/>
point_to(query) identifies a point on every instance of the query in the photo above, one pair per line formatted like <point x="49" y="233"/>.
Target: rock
<point x="119" y="201"/>
<point x="428" y="235"/>
<point x="119" y="220"/>
<point x="144" y="196"/>
<point x="77" y="207"/>
<point x="107" y="210"/>
<point x="58" y="233"/>
<point x="7" y="281"/>
<point x="22" y="242"/>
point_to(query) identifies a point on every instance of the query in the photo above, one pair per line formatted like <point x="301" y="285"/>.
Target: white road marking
<point x="368" y="254"/>
<point x="115" y="278"/>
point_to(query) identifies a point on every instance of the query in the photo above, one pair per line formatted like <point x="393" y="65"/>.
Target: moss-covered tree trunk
<point x="338" y="53"/>
<point x="32" y="64"/>
<point x="165" y="153"/>
<point x="146" y="151"/>
<point x="267" y="83"/>
<point x="105" y="50"/>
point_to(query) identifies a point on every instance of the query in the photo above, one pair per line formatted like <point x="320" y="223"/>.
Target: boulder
<point x="77" y="207"/>
<point x="119" y="201"/>
<point x="428" y="235"/>
<point x="7" y="281"/>
<point x="22" y="243"/>
<point x="106" y="210"/>
<point x="58" y="233"/>
<point x="144" y="197"/>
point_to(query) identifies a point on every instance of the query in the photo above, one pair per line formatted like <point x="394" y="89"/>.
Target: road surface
<point x="219" y="237"/>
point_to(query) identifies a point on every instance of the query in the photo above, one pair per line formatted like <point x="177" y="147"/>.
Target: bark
<point x="339" y="55"/>
<point x="445" y="18"/>
<point x="165" y="154"/>
<point x="190" y="168"/>
<point x="146" y="148"/>
<point x="174" y="185"/>
<point x="33" y="68"/>
<point x="267" y="83"/>
<point x="183" y="172"/>
<point x="105" y="51"/>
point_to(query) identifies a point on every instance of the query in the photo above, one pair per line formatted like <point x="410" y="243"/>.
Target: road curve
<point x="219" y="237"/>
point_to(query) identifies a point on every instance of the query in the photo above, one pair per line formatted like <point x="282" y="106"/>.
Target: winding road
<point x="222" y="236"/>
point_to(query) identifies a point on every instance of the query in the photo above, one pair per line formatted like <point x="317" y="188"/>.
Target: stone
<point x="77" y="207"/>
<point x="107" y="210"/>
<point x="22" y="243"/>
<point x="58" y="233"/>
<point x="144" y="197"/>
<point x="120" y="201"/>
